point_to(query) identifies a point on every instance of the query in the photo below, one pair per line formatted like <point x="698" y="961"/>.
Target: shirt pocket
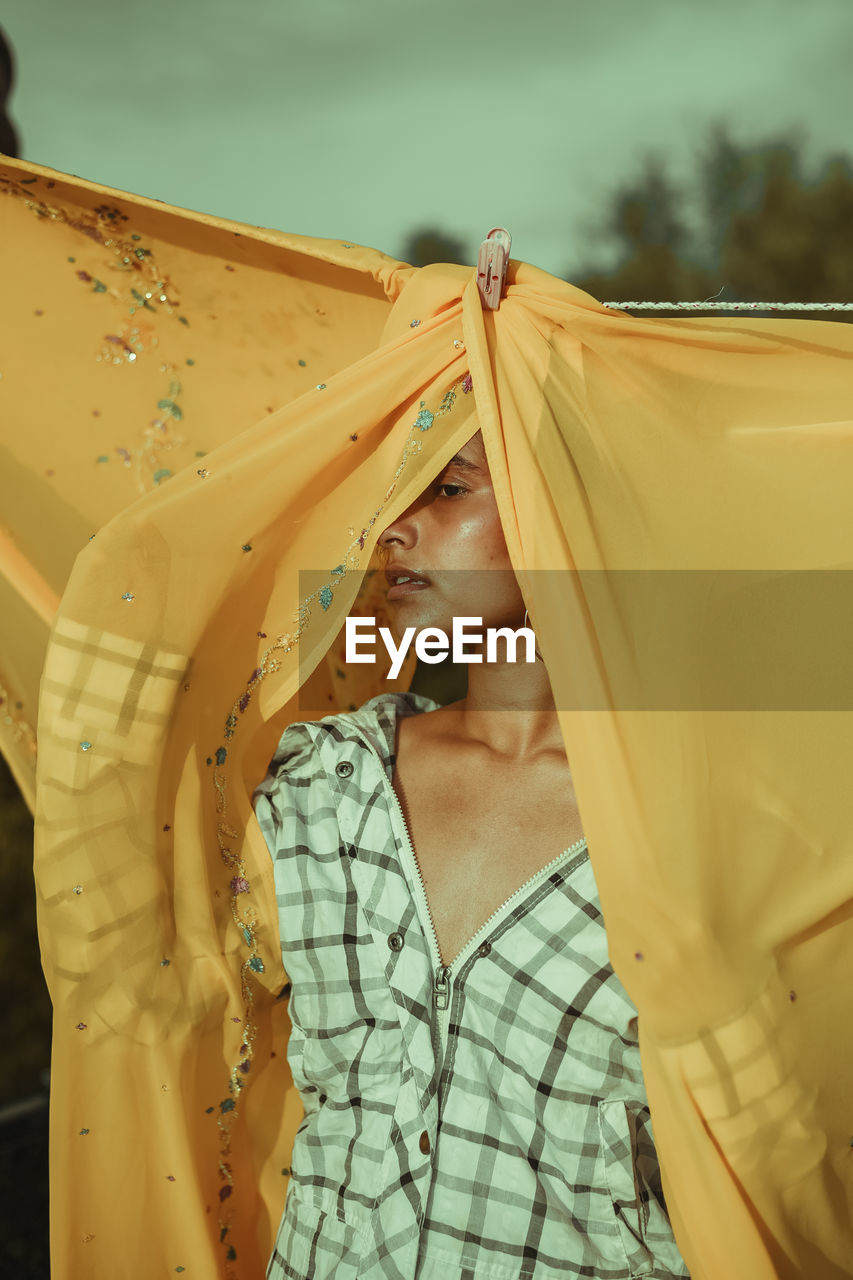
<point x="316" y="1240"/>
<point x="347" y="1060"/>
<point x="617" y="1124"/>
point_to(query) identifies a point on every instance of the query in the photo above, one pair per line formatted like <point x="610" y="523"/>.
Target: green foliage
<point x="764" y="232"/>
<point x="430" y="245"/>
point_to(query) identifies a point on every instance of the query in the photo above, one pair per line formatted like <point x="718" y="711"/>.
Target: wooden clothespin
<point x="491" y="266"/>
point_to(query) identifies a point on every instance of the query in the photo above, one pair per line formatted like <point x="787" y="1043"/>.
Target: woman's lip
<point x="404" y="589"/>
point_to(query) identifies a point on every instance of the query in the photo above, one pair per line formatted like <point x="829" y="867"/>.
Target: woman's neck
<point x="509" y="707"/>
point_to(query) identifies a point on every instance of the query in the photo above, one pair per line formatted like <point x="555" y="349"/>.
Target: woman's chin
<point x="412" y="611"/>
<point x="417" y="609"/>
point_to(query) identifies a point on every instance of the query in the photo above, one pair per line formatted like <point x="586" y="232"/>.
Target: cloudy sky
<point x="368" y="119"/>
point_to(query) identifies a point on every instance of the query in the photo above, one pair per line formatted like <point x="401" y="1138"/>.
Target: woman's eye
<point x="450" y="485"/>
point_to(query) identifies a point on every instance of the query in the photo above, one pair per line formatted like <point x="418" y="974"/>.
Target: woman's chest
<point x="479" y="835"/>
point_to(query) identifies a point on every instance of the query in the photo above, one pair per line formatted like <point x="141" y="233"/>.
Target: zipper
<point x="441" y="988"/>
<point x="441" y="1018"/>
<point x="442" y="973"/>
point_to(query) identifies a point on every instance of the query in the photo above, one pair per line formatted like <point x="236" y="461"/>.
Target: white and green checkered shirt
<point x="486" y="1121"/>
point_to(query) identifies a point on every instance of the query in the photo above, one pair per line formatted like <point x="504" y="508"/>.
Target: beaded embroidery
<point x="148" y="290"/>
<point x="239" y="884"/>
<point x="149" y="296"/>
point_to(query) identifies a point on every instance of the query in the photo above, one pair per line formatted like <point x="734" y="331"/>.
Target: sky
<point x="366" y="120"/>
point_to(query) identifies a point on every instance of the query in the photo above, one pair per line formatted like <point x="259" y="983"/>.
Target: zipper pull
<point x="441" y="987"/>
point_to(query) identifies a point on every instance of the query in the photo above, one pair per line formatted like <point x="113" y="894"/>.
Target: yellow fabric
<point x="720" y="838"/>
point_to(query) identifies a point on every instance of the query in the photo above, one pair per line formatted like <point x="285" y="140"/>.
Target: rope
<point x="732" y="306"/>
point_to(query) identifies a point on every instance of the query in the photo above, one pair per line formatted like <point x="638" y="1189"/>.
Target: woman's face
<point x="452" y="537"/>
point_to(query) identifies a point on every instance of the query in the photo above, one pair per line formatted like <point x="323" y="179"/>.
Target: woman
<point x="467" y="1059"/>
<point x="721" y="837"/>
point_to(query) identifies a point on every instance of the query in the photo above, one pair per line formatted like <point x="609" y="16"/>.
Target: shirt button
<point x="395" y="941"/>
<point x="423" y="1143"/>
<point x="484" y="949"/>
<point x="344" y="769"/>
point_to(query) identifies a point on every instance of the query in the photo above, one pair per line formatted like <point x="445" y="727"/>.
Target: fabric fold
<point x="264" y="405"/>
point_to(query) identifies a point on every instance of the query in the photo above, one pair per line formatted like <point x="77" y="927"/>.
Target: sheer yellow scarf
<point x="205" y="428"/>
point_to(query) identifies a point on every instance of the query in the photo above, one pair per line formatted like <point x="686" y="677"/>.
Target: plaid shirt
<point x="487" y="1121"/>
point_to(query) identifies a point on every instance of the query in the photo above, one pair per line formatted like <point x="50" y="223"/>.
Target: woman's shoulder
<point x="293" y="760"/>
<point x="298" y="751"/>
<point x="388" y="706"/>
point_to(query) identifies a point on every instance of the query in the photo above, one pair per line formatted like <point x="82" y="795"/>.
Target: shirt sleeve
<point x="283" y="802"/>
<point x="297" y="813"/>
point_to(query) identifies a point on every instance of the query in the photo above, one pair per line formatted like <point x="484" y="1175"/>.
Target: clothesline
<point x="493" y="259"/>
<point x="733" y="306"/>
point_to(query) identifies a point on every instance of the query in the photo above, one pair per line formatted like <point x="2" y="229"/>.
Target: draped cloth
<point x="206" y="426"/>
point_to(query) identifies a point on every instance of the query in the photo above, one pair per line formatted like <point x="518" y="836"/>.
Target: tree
<point x="765" y="231"/>
<point x="9" y="139"/>
<point x="431" y="245"/>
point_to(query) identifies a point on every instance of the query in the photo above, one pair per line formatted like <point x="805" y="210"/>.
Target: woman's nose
<point x="400" y="531"/>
